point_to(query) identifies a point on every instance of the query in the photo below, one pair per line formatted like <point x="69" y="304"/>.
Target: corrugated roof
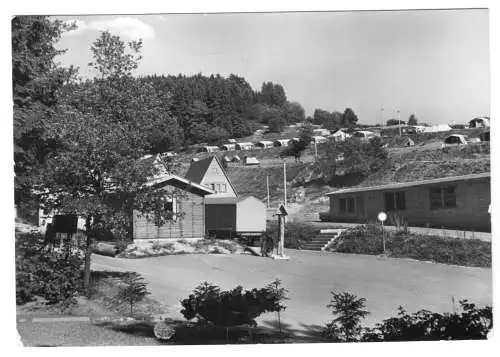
<point x="410" y="184"/>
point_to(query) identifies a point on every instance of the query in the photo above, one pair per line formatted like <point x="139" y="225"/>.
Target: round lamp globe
<point x="382" y="216"/>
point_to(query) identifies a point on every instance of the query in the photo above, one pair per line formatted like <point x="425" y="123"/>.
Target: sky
<point x="432" y="63"/>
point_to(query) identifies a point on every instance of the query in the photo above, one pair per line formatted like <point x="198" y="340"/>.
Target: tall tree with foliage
<point x="412" y="120"/>
<point x="36" y="81"/>
<point x="103" y="129"/>
<point x="349" y="118"/>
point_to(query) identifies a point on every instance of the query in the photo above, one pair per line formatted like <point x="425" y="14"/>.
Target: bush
<point x="52" y="274"/>
<point x="296" y="234"/>
<point x="229" y="308"/>
<point x="367" y="239"/>
<point x="473" y="323"/>
<point x="349" y="311"/>
<point x="133" y="291"/>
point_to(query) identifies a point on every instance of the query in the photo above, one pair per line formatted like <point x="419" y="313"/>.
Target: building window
<point x="223" y="187"/>
<point x="395" y="201"/>
<point x="347" y="205"/>
<point x="171" y="207"/>
<point x="443" y="197"/>
<point x="213" y="186"/>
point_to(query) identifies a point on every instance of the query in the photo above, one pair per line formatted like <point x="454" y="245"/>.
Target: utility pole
<point x="284" y="180"/>
<point x="399" y="122"/>
<point x="382" y="111"/>
<point x="315" y="150"/>
<point x="267" y="182"/>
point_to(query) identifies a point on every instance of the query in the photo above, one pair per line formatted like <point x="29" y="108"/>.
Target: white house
<point x="340" y="135"/>
<point x="208" y="149"/>
<point x="482" y="122"/>
<point x="321" y="132"/>
<point x="264" y="144"/>
<point x="318" y="139"/>
<point x="437" y="128"/>
<point x="228" y="147"/>
<point x="282" y="142"/>
<point x="244" y="146"/>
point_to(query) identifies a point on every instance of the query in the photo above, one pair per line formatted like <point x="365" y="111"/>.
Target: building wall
<point x="251" y="215"/>
<point x="215" y="176"/>
<point x="191" y="225"/>
<point x="471" y="212"/>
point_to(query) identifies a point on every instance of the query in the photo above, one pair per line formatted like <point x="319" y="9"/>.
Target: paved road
<point x="310" y="276"/>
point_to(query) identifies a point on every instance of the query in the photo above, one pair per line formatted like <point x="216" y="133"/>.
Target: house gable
<point x="209" y="173"/>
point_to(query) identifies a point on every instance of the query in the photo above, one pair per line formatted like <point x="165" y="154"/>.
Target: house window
<point x="223" y="187"/>
<point x="443" y="197"/>
<point x="218" y="187"/>
<point x="347" y="205"/>
<point x="171" y="207"/>
<point x="395" y="200"/>
<point x="213" y="186"/>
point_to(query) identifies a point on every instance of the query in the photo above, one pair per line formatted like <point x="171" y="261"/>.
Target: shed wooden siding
<point x="191" y="225"/>
<point x="471" y="212"/>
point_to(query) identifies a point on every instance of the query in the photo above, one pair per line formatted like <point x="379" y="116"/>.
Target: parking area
<point x="309" y="276"/>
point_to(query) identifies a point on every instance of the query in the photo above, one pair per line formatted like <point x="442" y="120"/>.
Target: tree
<point x="348" y="310"/>
<point x="36" y="80"/>
<point x="133" y="291"/>
<point x="103" y="127"/>
<point x="272" y="94"/>
<point x="349" y="119"/>
<point x="354" y="157"/>
<point x="280" y="294"/>
<point x="392" y="122"/>
<point x="412" y="120"/>
<point x="294" y="113"/>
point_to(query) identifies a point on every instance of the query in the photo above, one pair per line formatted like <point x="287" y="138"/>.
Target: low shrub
<point x="229" y="308"/>
<point x="367" y="239"/>
<point x="55" y="275"/>
<point x="472" y="323"/>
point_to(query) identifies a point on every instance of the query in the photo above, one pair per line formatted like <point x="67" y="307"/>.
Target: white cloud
<point x="131" y="28"/>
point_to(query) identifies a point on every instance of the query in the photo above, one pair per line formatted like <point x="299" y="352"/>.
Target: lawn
<point x="310" y="276"/>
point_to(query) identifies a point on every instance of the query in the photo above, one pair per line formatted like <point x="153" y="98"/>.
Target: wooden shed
<point x="192" y="222"/>
<point x="232" y="216"/>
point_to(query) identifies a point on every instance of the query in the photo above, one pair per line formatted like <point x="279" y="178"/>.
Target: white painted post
<point x="267" y="183"/>
<point x="284" y="180"/>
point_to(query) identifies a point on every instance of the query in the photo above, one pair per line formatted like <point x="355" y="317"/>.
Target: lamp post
<point x="382" y="217"/>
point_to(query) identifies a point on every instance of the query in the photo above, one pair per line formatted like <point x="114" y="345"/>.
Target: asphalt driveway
<point x="309" y="276"/>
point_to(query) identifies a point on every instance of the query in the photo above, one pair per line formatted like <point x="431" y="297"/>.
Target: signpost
<point x="382" y="217"/>
<point x="281" y="213"/>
